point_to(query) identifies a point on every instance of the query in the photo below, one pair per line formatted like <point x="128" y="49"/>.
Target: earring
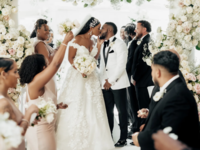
<point x="90" y="33"/>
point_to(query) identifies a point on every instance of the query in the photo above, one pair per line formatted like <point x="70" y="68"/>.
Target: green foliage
<point x="198" y="46"/>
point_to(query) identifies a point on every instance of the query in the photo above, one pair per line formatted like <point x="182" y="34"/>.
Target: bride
<point x="84" y="124"/>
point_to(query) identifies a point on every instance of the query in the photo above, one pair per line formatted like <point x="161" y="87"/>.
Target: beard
<point x="139" y="35"/>
<point x="155" y="82"/>
<point x="103" y="36"/>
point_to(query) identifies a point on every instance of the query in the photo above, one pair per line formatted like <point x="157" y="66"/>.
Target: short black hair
<point x="30" y="67"/>
<point x="130" y="29"/>
<point x="113" y="26"/>
<point x="168" y="60"/>
<point x="145" y="24"/>
<point x="6" y="64"/>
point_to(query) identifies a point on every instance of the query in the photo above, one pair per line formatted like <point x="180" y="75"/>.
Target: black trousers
<point x="143" y="99"/>
<point x="118" y="98"/>
<point x="132" y="99"/>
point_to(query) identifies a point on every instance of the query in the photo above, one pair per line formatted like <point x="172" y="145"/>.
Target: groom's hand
<point x="99" y="42"/>
<point x="62" y="106"/>
<point x="107" y="85"/>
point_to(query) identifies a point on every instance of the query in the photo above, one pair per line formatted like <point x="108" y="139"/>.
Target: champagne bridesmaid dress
<point x="19" y="117"/>
<point x="42" y="135"/>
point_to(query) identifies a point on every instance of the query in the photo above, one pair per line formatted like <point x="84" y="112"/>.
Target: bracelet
<point x="64" y="44"/>
<point x="25" y="121"/>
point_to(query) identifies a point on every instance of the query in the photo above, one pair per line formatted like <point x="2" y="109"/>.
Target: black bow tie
<point x="106" y="43"/>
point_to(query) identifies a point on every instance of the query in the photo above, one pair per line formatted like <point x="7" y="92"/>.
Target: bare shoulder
<point x="4" y="105"/>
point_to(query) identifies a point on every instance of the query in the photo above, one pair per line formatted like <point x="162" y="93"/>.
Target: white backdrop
<point x="57" y="10"/>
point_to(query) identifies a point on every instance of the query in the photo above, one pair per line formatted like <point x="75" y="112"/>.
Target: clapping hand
<point x="143" y="113"/>
<point x="62" y="106"/>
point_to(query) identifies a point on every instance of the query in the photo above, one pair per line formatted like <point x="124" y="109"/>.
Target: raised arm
<point x="41" y="79"/>
<point x="99" y="43"/>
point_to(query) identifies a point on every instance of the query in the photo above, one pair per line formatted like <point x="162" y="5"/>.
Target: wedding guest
<point x="172" y="104"/>
<point x="41" y="32"/>
<point x="129" y="32"/>
<point x="122" y="35"/>
<point x="141" y="72"/>
<point x="131" y="94"/>
<point x="42" y="136"/>
<point x="162" y="141"/>
<point x="8" y="79"/>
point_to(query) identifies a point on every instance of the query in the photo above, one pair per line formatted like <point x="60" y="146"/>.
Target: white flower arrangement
<point x="111" y="44"/>
<point x="67" y="26"/>
<point x="182" y="35"/>
<point x="10" y="132"/>
<point x="85" y="64"/>
<point x="47" y="109"/>
<point x="14" y="43"/>
<point x="139" y="42"/>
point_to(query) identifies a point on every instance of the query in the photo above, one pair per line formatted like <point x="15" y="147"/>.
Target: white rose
<point x="11" y="23"/>
<point x="148" y="61"/>
<point x="3" y="31"/>
<point x="195" y="24"/>
<point x="21" y="28"/>
<point x="20" y="49"/>
<point x="159" y="37"/>
<point x="2" y="37"/>
<point x="198" y="30"/>
<point x="8" y="36"/>
<point x="19" y="54"/>
<point x="196" y="98"/>
<point x="187" y="2"/>
<point x="164" y="48"/>
<point x="20" y="40"/>
<point x="187" y="38"/>
<point x="150" y="47"/>
<point x="179" y="28"/>
<point x="183" y="18"/>
<point x="184" y="57"/>
<point x="196" y="17"/>
<point x="3" y="48"/>
<point x="19" y="62"/>
<point x="49" y="118"/>
<point x="157" y="96"/>
<point x="159" y="30"/>
<point x="194" y="42"/>
<point x="189" y="10"/>
<point x="5" y="12"/>
<point x="14" y="10"/>
<point x="157" y="44"/>
<point x="184" y="63"/>
<point x="189" y="86"/>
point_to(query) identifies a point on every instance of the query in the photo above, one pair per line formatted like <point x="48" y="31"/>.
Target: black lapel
<point x="106" y="58"/>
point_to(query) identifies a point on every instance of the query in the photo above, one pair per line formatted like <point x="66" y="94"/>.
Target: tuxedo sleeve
<point x="140" y="67"/>
<point x="131" y="55"/>
<point x="122" y="54"/>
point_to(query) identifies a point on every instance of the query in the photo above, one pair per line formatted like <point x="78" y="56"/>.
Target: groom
<point x="113" y="78"/>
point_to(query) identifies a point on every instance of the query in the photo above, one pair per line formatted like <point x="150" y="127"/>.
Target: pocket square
<point x="111" y="51"/>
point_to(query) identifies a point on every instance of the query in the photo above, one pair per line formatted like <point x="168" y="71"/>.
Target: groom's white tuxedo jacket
<point x="115" y="70"/>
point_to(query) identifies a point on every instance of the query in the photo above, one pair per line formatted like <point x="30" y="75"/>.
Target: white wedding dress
<point x="84" y="124"/>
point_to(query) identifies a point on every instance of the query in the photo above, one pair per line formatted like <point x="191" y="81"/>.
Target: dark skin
<point x="9" y="80"/>
<point x="36" y="86"/>
<point x="107" y="32"/>
<point x="85" y="40"/>
<point x="43" y="34"/>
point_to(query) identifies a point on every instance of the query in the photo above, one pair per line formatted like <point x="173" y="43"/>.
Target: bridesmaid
<point x="41" y="33"/>
<point x="8" y="79"/>
<point x="42" y="136"/>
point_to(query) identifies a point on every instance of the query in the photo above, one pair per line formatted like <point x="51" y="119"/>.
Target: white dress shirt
<point x="168" y="82"/>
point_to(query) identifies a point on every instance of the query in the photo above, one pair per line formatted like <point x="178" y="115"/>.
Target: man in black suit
<point x="131" y="94"/>
<point x="172" y="105"/>
<point x="141" y="72"/>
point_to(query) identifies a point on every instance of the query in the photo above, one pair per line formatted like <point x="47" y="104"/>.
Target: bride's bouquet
<point x="10" y="132"/>
<point x="85" y="64"/>
<point x="47" y="109"/>
<point x="67" y="26"/>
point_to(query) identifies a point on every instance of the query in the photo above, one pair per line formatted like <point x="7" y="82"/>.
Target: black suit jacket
<point x="141" y="72"/>
<point x="131" y="51"/>
<point x="176" y="109"/>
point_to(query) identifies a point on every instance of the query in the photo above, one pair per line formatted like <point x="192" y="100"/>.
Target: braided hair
<point x="87" y="26"/>
<point x="38" y="25"/>
<point x="27" y="73"/>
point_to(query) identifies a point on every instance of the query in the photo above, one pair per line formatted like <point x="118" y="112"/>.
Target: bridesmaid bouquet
<point x="10" y="132"/>
<point x="47" y="109"/>
<point x="85" y="64"/>
<point x="67" y="26"/>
